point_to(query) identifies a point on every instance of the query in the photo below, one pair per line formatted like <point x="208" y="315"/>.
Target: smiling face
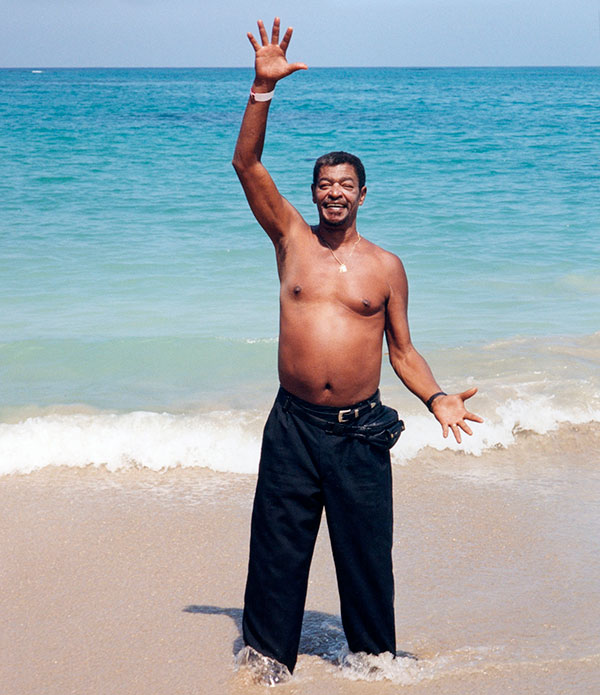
<point x="337" y="195"/>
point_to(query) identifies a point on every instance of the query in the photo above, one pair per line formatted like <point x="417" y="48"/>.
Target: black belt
<point x="324" y="412"/>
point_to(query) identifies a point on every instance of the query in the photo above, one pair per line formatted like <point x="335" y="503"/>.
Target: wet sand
<point x="132" y="582"/>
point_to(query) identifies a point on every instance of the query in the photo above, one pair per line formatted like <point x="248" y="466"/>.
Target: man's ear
<point x="312" y="190"/>
<point x="363" y="194"/>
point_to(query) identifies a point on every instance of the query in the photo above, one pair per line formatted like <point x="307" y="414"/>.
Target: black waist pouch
<point x="383" y="432"/>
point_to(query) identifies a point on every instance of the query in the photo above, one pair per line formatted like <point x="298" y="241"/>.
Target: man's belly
<point x="330" y="358"/>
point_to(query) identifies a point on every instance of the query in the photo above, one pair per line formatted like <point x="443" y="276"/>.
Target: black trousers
<point x="304" y="469"/>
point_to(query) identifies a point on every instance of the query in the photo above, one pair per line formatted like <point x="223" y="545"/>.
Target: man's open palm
<point x="270" y="62"/>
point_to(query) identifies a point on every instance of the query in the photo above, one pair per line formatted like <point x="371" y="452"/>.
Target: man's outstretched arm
<point x="273" y="212"/>
<point x="448" y="409"/>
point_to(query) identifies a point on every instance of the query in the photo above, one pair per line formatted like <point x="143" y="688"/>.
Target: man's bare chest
<point x="318" y="283"/>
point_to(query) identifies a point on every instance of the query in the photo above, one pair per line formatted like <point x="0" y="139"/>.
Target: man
<point x="326" y="442"/>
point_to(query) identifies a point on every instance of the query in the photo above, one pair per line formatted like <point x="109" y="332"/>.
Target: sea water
<point x="139" y="298"/>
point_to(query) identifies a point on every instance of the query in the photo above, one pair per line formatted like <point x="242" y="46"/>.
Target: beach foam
<point x="157" y="441"/>
<point x="230" y="440"/>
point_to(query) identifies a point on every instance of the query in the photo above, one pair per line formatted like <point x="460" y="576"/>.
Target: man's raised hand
<point x="270" y="62"/>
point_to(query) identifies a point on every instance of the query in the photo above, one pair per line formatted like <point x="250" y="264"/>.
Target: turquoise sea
<point x="139" y="298"/>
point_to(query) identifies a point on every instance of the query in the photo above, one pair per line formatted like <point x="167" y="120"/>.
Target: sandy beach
<point x="132" y="582"/>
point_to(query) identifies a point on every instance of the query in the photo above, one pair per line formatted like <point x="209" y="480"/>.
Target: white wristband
<point x="261" y="96"/>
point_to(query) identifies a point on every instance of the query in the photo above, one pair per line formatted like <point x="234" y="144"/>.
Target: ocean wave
<point x="254" y="341"/>
<point x="538" y="415"/>
<point x="222" y="441"/>
<point x="229" y="441"/>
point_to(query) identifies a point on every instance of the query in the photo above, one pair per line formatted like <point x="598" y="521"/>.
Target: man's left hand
<point x="451" y="413"/>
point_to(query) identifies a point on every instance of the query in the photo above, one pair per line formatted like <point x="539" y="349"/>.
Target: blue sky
<point x="68" y="33"/>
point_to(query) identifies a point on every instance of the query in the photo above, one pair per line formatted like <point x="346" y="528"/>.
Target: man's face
<point x="337" y="195"/>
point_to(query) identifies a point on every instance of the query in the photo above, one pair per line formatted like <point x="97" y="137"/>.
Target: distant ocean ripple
<point x="138" y="297"/>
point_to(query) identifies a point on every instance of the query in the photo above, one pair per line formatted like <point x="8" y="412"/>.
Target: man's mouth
<point x="335" y="206"/>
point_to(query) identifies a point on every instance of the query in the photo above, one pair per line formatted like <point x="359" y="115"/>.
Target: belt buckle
<point x="342" y="413"/>
<point x="347" y="411"/>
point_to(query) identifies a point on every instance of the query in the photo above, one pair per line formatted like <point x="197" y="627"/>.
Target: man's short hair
<point x="332" y="159"/>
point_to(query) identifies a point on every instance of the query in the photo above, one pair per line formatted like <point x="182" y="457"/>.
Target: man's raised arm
<point x="271" y="209"/>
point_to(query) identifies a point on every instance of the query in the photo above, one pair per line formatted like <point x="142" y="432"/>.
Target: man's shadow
<point x="322" y="633"/>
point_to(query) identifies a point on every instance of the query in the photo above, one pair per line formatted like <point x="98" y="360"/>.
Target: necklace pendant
<point x="343" y="268"/>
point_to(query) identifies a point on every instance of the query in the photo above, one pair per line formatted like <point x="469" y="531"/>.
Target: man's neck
<point x="337" y="235"/>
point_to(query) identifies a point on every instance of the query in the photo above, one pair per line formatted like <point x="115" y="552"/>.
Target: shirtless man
<point x="326" y="442"/>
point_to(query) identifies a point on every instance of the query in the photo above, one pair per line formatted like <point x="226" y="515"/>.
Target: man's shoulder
<point x="389" y="260"/>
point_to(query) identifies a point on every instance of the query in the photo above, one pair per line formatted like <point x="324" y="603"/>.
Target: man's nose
<point x="336" y="190"/>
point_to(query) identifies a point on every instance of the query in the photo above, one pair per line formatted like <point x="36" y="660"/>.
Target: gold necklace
<point x="343" y="267"/>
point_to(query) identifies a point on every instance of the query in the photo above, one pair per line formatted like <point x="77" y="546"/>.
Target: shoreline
<point x="133" y="581"/>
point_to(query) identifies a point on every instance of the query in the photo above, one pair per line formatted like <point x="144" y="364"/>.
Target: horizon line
<point x="315" y="67"/>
